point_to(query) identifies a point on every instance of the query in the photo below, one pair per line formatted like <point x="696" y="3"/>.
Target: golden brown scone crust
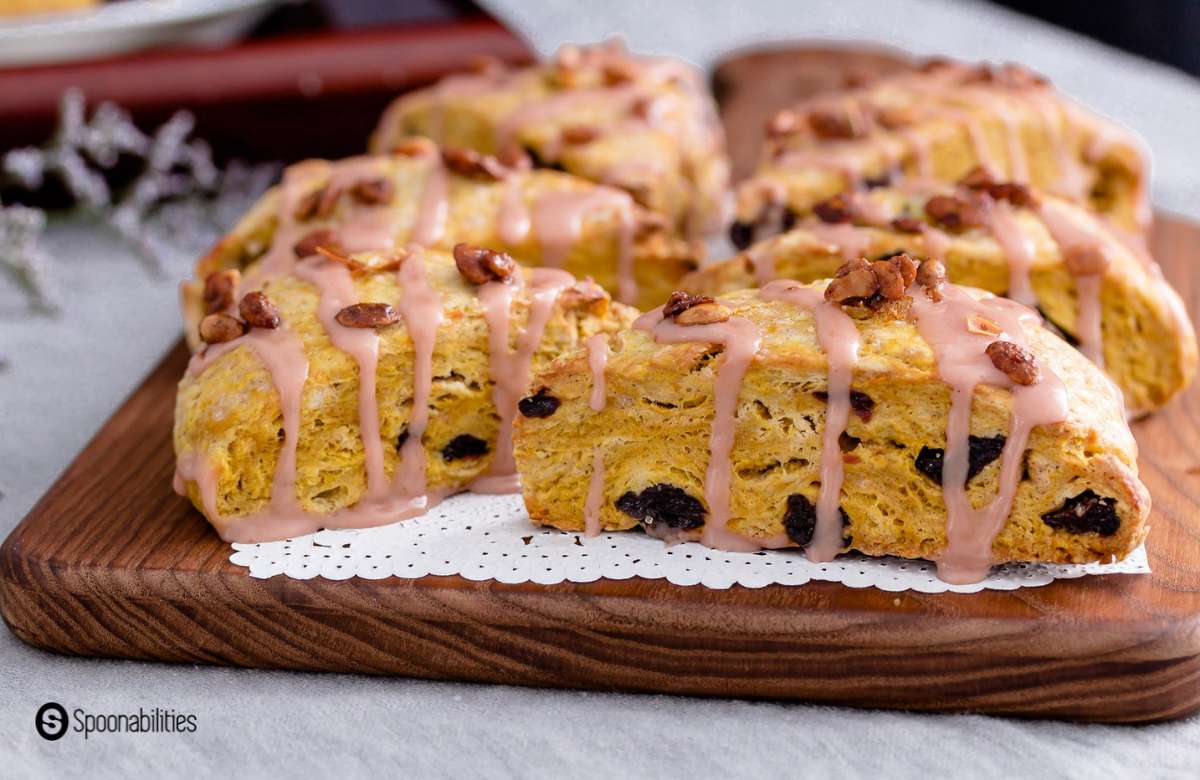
<point x="651" y="129"/>
<point x="231" y="414"/>
<point x="1149" y="343"/>
<point x="954" y="113"/>
<point x="655" y="429"/>
<point x="473" y="206"/>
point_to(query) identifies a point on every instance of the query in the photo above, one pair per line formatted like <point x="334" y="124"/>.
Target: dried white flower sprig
<point x="177" y="191"/>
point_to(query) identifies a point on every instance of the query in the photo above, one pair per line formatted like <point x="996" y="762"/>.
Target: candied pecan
<point x="468" y="162"/>
<point x="414" y="146"/>
<point x="258" y="311"/>
<point x="953" y="212"/>
<point x="484" y="64"/>
<point x="514" y="159"/>
<point x="703" y="314"/>
<point x="219" y="287"/>
<point x="894" y="275"/>
<point x="680" y="302"/>
<point x="1085" y="513"/>
<point x="332" y="254"/>
<point x="580" y="134"/>
<point x="931" y="275"/>
<point x="308" y="244"/>
<point x="617" y="72"/>
<point x="977" y="178"/>
<point x="367" y="315"/>
<point x="319" y="203"/>
<point x="1086" y="258"/>
<point x="834" y="210"/>
<point x="1016" y="194"/>
<point x="854" y="282"/>
<point x="894" y="117"/>
<point x="219" y="328"/>
<point x="981" y="325"/>
<point x="479" y="265"/>
<point x="782" y="124"/>
<point x="908" y="225"/>
<point x="644" y="107"/>
<point x="1017" y="363"/>
<point x="373" y="192"/>
<point x="830" y="125"/>
<point x="540" y="404"/>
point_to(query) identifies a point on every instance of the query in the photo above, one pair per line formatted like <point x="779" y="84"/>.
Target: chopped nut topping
<point x="953" y="212"/>
<point x="908" y="225"/>
<point x="373" y="192"/>
<point x="977" y="179"/>
<point x="854" y="282"/>
<point x="644" y="107"/>
<point x="981" y="325"/>
<point x="219" y="287"/>
<point x="1016" y="194"/>
<point x="1083" y="259"/>
<point x="831" y="126"/>
<point x="468" y="162"/>
<point x="703" y="314"/>
<point x="219" y="328"/>
<point x="515" y="159"/>
<point x="368" y="315"/>
<point x="894" y="117"/>
<point x="680" y="302"/>
<point x="414" y="146"/>
<point x="834" y="210"/>
<point x="479" y="265"/>
<point x="308" y="244"/>
<point x="258" y="311"/>
<point x="1016" y="362"/>
<point x="895" y="274"/>
<point x="332" y="254"/>
<point x="619" y="72"/>
<point x="782" y="124"/>
<point x="932" y="276"/>
<point x="580" y="134"/>
<point x="319" y="203"/>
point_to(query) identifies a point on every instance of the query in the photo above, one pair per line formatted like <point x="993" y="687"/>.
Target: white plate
<point x="115" y="28"/>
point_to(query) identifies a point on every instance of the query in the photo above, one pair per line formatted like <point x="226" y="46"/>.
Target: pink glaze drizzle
<point x="741" y="339"/>
<point x="432" y="211"/>
<point x="597" y="346"/>
<point x="513" y="221"/>
<point x="839" y="340"/>
<point x="558" y="221"/>
<point x="963" y="364"/>
<point x="422" y="312"/>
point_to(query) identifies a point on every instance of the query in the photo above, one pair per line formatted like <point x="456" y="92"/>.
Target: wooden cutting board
<point x="112" y="563"/>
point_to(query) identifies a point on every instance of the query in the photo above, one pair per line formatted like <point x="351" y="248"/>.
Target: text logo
<point x="51" y="721"/>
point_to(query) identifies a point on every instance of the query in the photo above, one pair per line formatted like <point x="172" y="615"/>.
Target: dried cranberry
<point x="862" y="404"/>
<point x="800" y="520"/>
<point x="464" y="446"/>
<point x="663" y="503"/>
<point x="1085" y="513"/>
<point x="541" y="404"/>
<point x="981" y="452"/>
<point x="741" y="234"/>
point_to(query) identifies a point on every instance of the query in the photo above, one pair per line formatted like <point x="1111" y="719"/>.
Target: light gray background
<point x="67" y="375"/>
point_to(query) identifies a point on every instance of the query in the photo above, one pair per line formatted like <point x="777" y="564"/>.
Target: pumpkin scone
<point x="358" y="389"/>
<point x="937" y="123"/>
<point x="1105" y="294"/>
<point x="884" y="411"/>
<point x="422" y="195"/>
<point x="646" y="125"/>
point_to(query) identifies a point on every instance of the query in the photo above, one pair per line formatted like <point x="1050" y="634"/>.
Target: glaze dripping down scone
<point x="646" y="125"/>
<point x="937" y="124"/>
<point x="420" y="194"/>
<point x="354" y="390"/>
<point x="777" y="418"/>
<point x="1103" y="291"/>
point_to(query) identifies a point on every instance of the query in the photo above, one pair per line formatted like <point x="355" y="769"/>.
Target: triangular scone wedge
<point x="936" y="124"/>
<point x="423" y="196"/>
<point x="644" y="124"/>
<point x="1097" y="286"/>
<point x="276" y="433"/>
<point x="660" y="430"/>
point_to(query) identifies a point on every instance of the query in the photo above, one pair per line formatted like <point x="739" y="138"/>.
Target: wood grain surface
<point x="112" y="563"/>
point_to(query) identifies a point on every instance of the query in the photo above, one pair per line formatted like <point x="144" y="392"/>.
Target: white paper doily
<point x="490" y="537"/>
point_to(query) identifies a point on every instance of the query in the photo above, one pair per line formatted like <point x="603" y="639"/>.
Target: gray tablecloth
<point x="67" y="375"/>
